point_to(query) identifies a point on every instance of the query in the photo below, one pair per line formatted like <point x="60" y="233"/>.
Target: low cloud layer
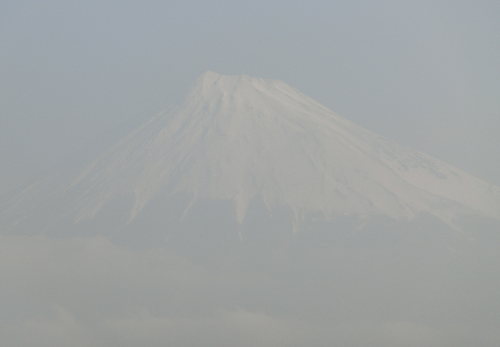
<point x="88" y="291"/>
<point x="229" y="328"/>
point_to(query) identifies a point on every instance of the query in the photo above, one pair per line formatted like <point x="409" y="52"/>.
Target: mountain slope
<point x="235" y="139"/>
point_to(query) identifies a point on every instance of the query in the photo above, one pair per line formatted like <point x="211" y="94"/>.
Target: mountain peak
<point x="210" y="77"/>
<point x="213" y="91"/>
<point x="211" y="85"/>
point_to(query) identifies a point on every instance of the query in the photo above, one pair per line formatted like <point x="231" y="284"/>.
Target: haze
<point x="76" y="76"/>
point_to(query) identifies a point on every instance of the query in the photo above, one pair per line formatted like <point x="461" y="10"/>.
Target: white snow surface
<point x="235" y="138"/>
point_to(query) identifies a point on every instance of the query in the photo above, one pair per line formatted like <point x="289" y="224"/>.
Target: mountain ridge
<point x="234" y="138"/>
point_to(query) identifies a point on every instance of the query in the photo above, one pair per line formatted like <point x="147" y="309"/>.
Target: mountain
<point x="257" y="216"/>
<point x="237" y="151"/>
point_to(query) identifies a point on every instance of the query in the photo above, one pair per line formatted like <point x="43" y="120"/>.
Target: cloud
<point x="229" y="328"/>
<point x="90" y="292"/>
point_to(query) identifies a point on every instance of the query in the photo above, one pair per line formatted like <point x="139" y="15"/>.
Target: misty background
<point x="77" y="75"/>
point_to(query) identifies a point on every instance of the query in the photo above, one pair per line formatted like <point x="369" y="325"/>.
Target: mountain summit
<point x="236" y="140"/>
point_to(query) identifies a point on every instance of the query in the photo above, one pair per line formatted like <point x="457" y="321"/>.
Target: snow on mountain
<point x="235" y="138"/>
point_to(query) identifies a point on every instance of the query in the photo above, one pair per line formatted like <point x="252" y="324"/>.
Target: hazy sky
<point x="424" y="73"/>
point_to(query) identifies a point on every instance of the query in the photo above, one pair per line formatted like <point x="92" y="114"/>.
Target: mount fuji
<point x="239" y="151"/>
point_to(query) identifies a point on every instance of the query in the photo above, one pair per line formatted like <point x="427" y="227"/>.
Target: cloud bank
<point x="88" y="291"/>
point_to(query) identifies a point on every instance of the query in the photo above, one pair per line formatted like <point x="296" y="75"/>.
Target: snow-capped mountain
<point x="236" y="139"/>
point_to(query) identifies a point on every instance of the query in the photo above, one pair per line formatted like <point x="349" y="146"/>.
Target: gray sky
<point x="424" y="73"/>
